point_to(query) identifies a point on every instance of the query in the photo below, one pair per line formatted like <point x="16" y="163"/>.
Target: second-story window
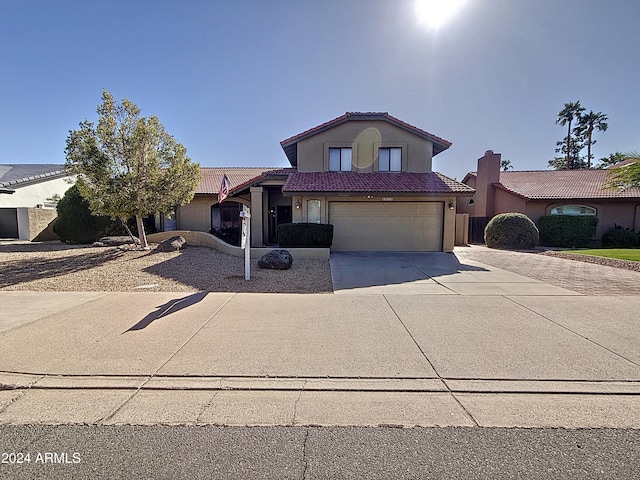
<point x="390" y="159"/>
<point x="340" y="159"/>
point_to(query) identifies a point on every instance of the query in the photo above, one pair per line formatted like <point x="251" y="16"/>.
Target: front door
<point x="278" y="215"/>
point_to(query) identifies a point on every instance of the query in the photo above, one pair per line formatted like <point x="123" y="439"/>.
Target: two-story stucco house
<point x="368" y="174"/>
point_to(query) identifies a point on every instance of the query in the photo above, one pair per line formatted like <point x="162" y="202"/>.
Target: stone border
<point x="609" y="262"/>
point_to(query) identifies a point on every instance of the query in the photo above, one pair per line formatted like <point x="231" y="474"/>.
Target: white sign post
<point x="245" y="242"/>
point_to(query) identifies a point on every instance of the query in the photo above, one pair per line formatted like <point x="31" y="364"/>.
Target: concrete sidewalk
<point x="285" y="359"/>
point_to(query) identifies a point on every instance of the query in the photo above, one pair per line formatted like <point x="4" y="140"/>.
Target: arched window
<point x="573" y="210"/>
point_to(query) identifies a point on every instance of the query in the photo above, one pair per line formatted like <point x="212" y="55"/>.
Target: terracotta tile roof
<point x="289" y="145"/>
<point x="561" y="184"/>
<point x="13" y="175"/>
<point x="374" y="182"/>
<point x="211" y="177"/>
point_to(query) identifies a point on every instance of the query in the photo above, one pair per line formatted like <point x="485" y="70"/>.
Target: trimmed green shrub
<point x="75" y="222"/>
<point x="619" y="237"/>
<point x="567" y="230"/>
<point x="511" y="231"/>
<point x="305" y="235"/>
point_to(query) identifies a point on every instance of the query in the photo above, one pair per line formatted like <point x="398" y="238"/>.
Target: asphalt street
<point x="210" y="452"/>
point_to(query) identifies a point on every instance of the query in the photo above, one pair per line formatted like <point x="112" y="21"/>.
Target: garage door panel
<point x="399" y="226"/>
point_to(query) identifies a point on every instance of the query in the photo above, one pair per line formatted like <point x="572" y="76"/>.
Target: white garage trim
<point x="387" y="226"/>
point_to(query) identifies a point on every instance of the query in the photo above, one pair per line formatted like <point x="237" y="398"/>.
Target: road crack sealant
<point x="305" y="459"/>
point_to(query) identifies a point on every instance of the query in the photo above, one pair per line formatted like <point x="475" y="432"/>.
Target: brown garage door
<point x="387" y="226"/>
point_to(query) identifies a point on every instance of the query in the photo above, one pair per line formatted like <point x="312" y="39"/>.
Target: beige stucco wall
<point x="202" y="239"/>
<point x="448" y="239"/>
<point x="365" y="137"/>
<point x="462" y="229"/>
<point x="196" y="215"/>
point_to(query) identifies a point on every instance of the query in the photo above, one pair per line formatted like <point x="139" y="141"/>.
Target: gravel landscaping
<point x="55" y="266"/>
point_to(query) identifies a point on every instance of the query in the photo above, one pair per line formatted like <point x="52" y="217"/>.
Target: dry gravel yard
<point x="55" y="266"/>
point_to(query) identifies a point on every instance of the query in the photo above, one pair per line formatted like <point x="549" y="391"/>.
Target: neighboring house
<point x="549" y="192"/>
<point x="368" y="174"/>
<point x="25" y="192"/>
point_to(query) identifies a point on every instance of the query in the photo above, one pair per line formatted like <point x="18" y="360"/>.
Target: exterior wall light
<point x="451" y="205"/>
<point x="298" y="205"/>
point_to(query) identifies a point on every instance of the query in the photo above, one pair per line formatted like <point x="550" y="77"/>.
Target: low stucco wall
<point x="36" y="224"/>
<point x="462" y="229"/>
<point x="202" y="239"/>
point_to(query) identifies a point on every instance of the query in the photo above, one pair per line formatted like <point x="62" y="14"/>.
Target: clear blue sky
<point x="230" y="79"/>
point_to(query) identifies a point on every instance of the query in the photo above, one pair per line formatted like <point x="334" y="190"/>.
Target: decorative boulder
<point x="276" y="260"/>
<point x="171" y="244"/>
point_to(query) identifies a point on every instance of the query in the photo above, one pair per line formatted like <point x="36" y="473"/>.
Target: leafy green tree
<point x="575" y="161"/>
<point x="505" y="165"/>
<point x="128" y="165"/>
<point x="566" y="116"/>
<point x="611" y="160"/>
<point x="625" y="176"/>
<point x="587" y="124"/>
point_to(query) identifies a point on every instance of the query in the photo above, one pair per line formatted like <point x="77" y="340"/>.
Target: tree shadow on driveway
<point x="369" y="269"/>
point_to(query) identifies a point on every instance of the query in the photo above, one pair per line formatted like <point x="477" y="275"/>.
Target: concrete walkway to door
<point x="436" y="273"/>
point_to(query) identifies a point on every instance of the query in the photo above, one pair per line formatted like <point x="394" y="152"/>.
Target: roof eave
<point x="374" y="193"/>
<point x="21" y="182"/>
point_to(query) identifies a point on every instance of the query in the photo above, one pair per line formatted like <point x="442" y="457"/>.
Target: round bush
<point x="75" y="223"/>
<point x="511" y="231"/>
<point x="619" y="237"/>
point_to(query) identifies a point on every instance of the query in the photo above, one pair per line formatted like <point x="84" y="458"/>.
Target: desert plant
<point x="619" y="237"/>
<point x="567" y="230"/>
<point x="511" y="231"/>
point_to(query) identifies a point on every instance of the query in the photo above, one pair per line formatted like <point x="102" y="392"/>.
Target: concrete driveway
<point x="434" y="273"/>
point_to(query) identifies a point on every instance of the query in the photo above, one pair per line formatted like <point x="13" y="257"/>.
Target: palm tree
<point x="566" y="116"/>
<point x="587" y="124"/>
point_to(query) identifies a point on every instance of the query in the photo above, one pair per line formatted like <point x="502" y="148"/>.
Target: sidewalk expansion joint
<point x="575" y="333"/>
<point x="417" y="385"/>
<point x="464" y="409"/>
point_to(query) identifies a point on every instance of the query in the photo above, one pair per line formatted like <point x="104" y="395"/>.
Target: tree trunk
<point x="141" y="235"/>
<point x="589" y="134"/>
<point x="123" y="222"/>
<point x="569" y="146"/>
